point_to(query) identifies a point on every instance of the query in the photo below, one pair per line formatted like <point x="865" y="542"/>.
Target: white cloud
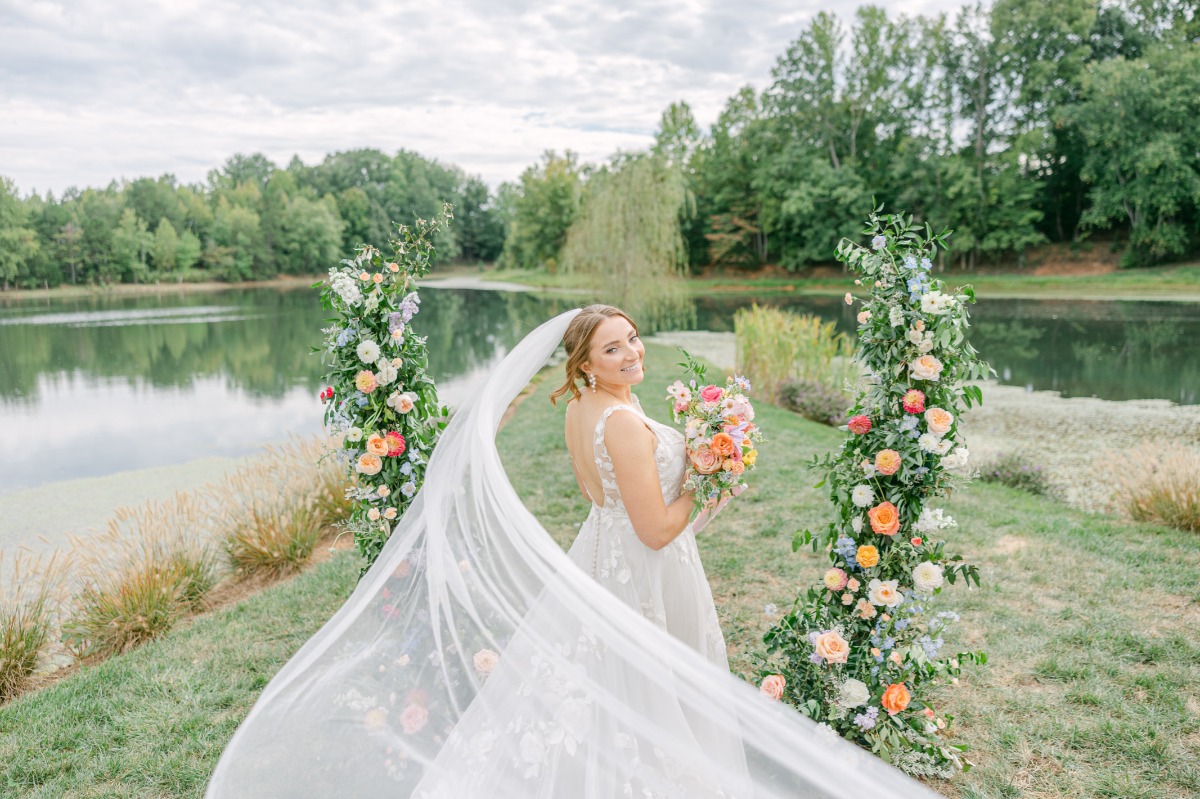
<point x="94" y="91"/>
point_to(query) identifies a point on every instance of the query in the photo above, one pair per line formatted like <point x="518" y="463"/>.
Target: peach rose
<point x="368" y="463"/>
<point x="733" y="466"/>
<point x="378" y="278"/>
<point x="393" y="267"/>
<point x="772" y="686"/>
<point x="373" y="514"/>
<point x="377" y="444"/>
<point x="926" y="367"/>
<point x="832" y="646"/>
<point x="895" y="698"/>
<point x="365" y="381"/>
<point x="389" y="513"/>
<point x="413" y="719"/>
<point x="887" y="461"/>
<point x="722" y="444"/>
<point x="884" y="518"/>
<point x="938" y="420"/>
<point x="867" y="556"/>
<point x="485" y="660"/>
<point x="704" y="460"/>
<point x="865" y="609"/>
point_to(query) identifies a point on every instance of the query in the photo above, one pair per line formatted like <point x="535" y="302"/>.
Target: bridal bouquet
<point x="720" y="433"/>
<point x="382" y="404"/>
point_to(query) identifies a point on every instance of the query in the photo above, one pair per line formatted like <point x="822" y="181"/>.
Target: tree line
<point x="250" y="219"/>
<point x="1016" y="124"/>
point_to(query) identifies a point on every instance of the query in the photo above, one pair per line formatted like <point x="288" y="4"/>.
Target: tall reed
<point x="30" y="590"/>
<point x="1159" y="482"/>
<point x="151" y="565"/>
<point x="775" y="346"/>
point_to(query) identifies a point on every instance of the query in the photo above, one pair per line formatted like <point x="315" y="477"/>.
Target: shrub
<point x="150" y="566"/>
<point x="28" y="596"/>
<point x="1160" y="483"/>
<point x="814" y="401"/>
<point x="1017" y="471"/>
<point x="774" y="346"/>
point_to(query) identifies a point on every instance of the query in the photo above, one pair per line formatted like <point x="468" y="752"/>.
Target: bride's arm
<point x="631" y="447"/>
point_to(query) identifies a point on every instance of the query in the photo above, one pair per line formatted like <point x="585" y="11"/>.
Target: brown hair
<point x="577" y="340"/>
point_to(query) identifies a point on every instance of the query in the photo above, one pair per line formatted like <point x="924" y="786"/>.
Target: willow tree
<point x="626" y="240"/>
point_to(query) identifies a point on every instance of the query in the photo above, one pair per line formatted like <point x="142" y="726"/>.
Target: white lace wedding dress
<point x="503" y="739"/>
<point x="477" y="660"/>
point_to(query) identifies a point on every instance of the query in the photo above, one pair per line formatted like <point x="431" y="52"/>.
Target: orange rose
<point x="832" y="646"/>
<point x="732" y="466"/>
<point x="704" y="460"/>
<point x="895" y="698"/>
<point x="887" y="461"/>
<point x="867" y="556"/>
<point x="377" y="445"/>
<point x="722" y="444"/>
<point x="884" y="518"/>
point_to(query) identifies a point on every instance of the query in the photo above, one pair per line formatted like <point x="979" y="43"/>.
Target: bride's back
<point x="583" y="415"/>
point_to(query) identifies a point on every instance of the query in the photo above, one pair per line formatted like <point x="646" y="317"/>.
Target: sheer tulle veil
<point x="472" y="610"/>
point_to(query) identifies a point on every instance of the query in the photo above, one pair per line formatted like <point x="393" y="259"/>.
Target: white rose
<point x="884" y="592"/>
<point x="943" y="446"/>
<point x="863" y="495"/>
<point x="896" y="316"/>
<point x="368" y="351"/>
<point x="856" y="523"/>
<point x="354" y="434"/>
<point x="925" y="346"/>
<point x="914" y="336"/>
<point x="853" y="693"/>
<point x="956" y="459"/>
<point x="927" y="577"/>
<point x="926" y="367"/>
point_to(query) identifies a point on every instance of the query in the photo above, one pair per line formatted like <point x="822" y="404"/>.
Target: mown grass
<point x="1180" y="282"/>
<point x="1092" y="690"/>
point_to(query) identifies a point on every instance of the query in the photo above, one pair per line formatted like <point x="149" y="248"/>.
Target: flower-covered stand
<point x="861" y="651"/>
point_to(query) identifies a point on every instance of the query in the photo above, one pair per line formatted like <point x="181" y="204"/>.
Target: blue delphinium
<point x="848" y="549"/>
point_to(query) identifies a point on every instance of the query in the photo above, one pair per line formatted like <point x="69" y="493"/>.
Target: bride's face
<point x="615" y="354"/>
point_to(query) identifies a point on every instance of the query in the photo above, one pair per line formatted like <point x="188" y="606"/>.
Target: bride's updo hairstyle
<point x="578" y="340"/>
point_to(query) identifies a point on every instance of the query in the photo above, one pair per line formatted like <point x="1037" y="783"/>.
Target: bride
<point x="477" y="659"/>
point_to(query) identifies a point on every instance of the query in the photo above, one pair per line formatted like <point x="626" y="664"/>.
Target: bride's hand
<point x="709" y="513"/>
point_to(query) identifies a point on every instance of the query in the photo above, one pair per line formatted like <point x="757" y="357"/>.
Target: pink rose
<point x="772" y="686"/>
<point x="413" y="719"/>
<point x="859" y="425"/>
<point x="704" y="460"/>
<point x="485" y="660"/>
<point x="711" y="393"/>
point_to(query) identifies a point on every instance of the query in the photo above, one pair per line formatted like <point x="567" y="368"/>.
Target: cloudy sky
<point x="92" y="90"/>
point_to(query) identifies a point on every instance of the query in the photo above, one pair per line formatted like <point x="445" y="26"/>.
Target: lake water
<point x="89" y="387"/>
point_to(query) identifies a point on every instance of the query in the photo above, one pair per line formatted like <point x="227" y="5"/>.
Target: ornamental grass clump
<point x="30" y="590"/>
<point x="775" y="347"/>
<point x="1159" y="482"/>
<point x="1016" y="471"/>
<point x="381" y="404"/>
<point x="861" y="650"/>
<point x="152" y="565"/>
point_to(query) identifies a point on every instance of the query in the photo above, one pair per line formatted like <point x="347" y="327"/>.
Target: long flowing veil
<point x="472" y="610"/>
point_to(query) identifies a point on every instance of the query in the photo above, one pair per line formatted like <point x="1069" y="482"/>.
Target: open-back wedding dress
<point x="477" y="659"/>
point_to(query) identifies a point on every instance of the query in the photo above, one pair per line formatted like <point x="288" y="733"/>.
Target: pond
<point x="93" y="386"/>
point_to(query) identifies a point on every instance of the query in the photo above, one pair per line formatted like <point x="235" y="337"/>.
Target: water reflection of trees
<point x="264" y="349"/>
<point x="1117" y="350"/>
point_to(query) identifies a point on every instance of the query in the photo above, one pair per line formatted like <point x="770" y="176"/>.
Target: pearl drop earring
<point x="591" y="378"/>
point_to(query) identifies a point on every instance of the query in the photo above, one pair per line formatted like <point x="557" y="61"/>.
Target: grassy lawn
<point x="1091" y="623"/>
<point x="1165" y="282"/>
